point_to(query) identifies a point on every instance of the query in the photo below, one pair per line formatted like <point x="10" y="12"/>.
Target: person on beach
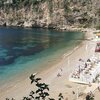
<point x="81" y="60"/>
<point x="85" y="65"/>
<point x="90" y="84"/>
<point x="73" y="92"/>
<point x="90" y="96"/>
<point x="61" y="69"/>
<point x="58" y="75"/>
<point x="99" y="88"/>
<point x="88" y="60"/>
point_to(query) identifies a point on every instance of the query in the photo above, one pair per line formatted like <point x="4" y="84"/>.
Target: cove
<point x="24" y="50"/>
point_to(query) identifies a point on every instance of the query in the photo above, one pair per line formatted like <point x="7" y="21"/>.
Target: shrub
<point x="41" y="93"/>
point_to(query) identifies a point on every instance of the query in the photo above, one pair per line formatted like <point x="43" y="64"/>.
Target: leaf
<point x="37" y="91"/>
<point x="37" y="97"/>
<point x="31" y="94"/>
<point x="38" y="84"/>
<point x="51" y="99"/>
<point x="7" y="99"/>
<point x="37" y="79"/>
<point x="61" y="96"/>
<point x="46" y="93"/>
<point x="26" y="98"/>
<point x="32" y="77"/>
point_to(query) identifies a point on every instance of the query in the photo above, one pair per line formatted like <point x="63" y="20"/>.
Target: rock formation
<point x="50" y="13"/>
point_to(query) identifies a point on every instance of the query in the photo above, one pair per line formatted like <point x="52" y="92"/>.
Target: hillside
<point x="50" y="13"/>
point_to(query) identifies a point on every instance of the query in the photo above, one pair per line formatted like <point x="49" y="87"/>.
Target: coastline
<point x="49" y="76"/>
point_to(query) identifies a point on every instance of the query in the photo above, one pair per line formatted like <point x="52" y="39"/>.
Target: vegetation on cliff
<point x="50" y="13"/>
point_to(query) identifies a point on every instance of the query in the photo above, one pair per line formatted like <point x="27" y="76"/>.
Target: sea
<point x="24" y="51"/>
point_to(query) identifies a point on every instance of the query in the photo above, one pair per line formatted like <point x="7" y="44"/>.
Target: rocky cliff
<point x="50" y="13"/>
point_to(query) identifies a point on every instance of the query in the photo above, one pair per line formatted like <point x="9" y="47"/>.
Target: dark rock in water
<point x="16" y="52"/>
<point x="4" y="24"/>
<point x="2" y="61"/>
<point x="20" y="23"/>
<point x="26" y="51"/>
<point x="51" y="26"/>
<point x="32" y="50"/>
<point x="7" y="61"/>
<point x="36" y="25"/>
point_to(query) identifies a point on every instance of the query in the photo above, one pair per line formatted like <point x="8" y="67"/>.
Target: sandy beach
<point x="64" y="66"/>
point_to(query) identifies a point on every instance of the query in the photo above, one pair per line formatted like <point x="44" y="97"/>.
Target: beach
<point x="65" y="65"/>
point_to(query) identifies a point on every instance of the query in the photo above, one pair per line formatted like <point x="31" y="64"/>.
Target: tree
<point x="41" y="93"/>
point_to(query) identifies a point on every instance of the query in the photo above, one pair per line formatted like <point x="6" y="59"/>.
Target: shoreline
<point x="49" y="75"/>
<point x="54" y="61"/>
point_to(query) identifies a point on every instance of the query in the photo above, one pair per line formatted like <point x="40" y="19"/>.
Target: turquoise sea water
<point x="23" y="51"/>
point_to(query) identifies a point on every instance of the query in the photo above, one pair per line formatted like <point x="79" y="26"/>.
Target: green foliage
<point x="66" y="6"/>
<point x="42" y="92"/>
<point x="60" y="97"/>
<point x="35" y="2"/>
<point x="98" y="27"/>
<point x="50" y="6"/>
<point x="26" y="2"/>
<point x="98" y="12"/>
<point x="1" y="3"/>
<point x="16" y="2"/>
<point x="21" y="3"/>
